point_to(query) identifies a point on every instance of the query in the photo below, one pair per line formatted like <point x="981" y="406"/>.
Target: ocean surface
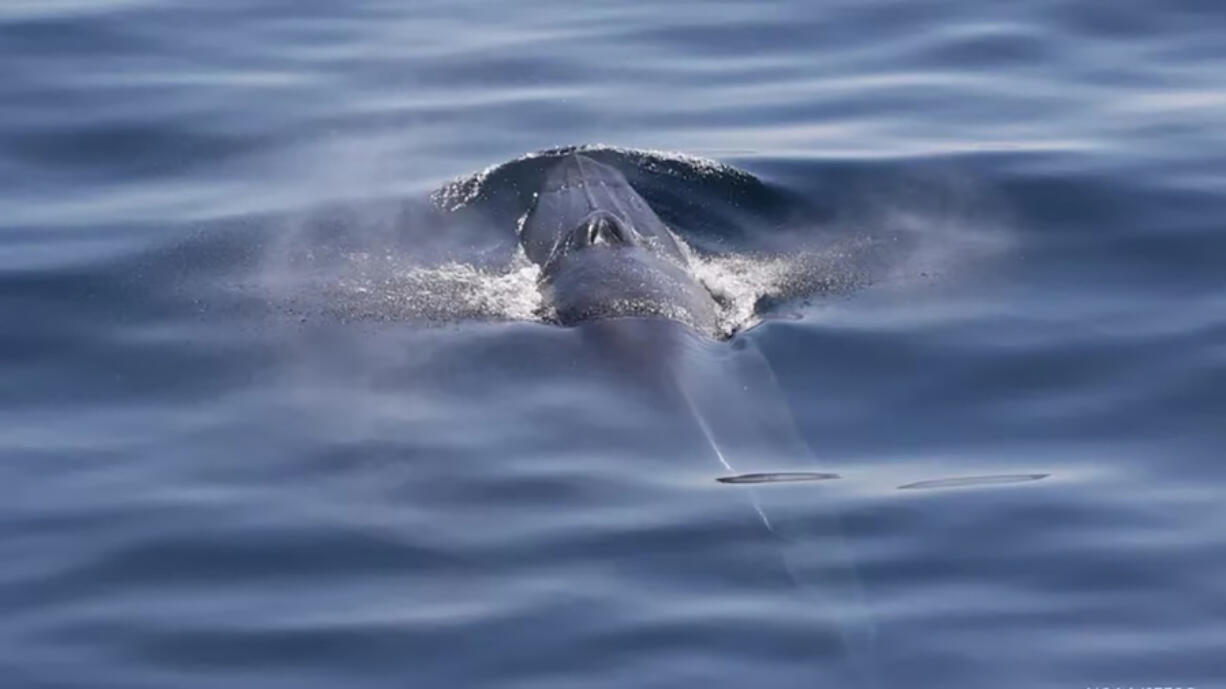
<point x="281" y="407"/>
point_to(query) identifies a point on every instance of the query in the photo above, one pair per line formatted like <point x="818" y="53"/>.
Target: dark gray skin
<point x="604" y="253"/>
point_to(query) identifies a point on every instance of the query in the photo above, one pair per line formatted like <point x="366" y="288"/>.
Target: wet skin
<point x="604" y="253"/>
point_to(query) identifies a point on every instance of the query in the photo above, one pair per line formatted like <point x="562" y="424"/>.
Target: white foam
<point x="738" y="283"/>
<point x="742" y="283"/>
<point x="381" y="290"/>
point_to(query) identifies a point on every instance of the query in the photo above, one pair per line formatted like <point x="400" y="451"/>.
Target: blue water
<point x="265" y="423"/>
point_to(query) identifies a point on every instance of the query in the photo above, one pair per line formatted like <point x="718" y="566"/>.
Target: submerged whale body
<point x="604" y="253"/>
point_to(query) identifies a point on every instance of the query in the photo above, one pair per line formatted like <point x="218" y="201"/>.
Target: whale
<point x="604" y="253"/>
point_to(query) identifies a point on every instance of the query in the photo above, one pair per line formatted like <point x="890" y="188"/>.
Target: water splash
<point x="448" y="292"/>
<point x="746" y="286"/>
<point x="360" y="274"/>
<point x="383" y="287"/>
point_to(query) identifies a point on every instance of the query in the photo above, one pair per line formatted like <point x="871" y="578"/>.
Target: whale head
<point x="604" y="252"/>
